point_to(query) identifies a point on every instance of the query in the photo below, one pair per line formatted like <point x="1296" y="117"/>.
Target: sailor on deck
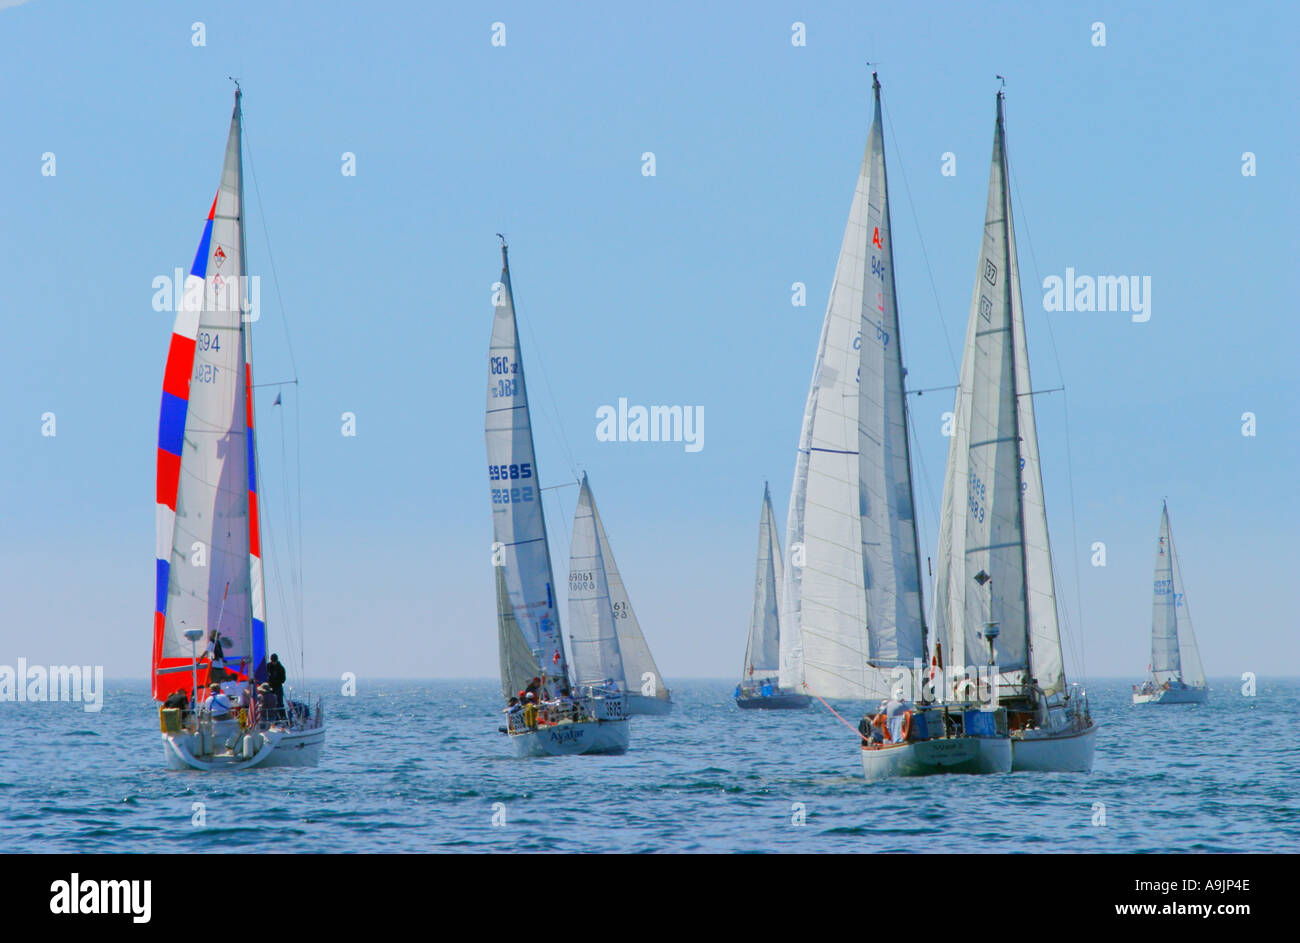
<point x="217" y="704"/>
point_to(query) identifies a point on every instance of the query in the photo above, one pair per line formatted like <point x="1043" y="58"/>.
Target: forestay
<point x="527" y="620"/>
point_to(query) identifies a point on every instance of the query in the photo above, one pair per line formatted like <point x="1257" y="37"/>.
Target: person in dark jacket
<point x="275" y="677"/>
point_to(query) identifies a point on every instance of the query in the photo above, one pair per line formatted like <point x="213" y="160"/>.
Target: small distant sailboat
<point x="210" y="591"/>
<point x="610" y="653"/>
<point x="759" y="686"/>
<point x="550" y="719"/>
<point x="995" y="593"/>
<point x="1176" y="674"/>
<point x="852" y="623"/>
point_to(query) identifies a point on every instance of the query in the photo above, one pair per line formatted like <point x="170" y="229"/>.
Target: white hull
<point x="1054" y="752"/>
<point x="571" y="739"/>
<point x="650" y="706"/>
<point x="975" y="755"/>
<point x="273" y="747"/>
<point x="1174" y="696"/>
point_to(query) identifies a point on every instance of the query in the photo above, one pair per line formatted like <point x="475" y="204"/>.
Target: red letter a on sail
<point x="875" y="238"/>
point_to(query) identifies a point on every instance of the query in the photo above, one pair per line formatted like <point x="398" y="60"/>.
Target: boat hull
<point x="774" y="702"/>
<point x="971" y="755"/>
<point x="649" y="706"/>
<point x="1174" y="696"/>
<point x="1068" y="751"/>
<point x="183" y="751"/>
<point x="573" y="739"/>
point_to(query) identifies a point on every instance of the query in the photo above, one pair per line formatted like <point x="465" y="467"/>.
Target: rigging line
<point x="291" y="548"/>
<point x="855" y="730"/>
<point x="930" y="389"/>
<point x="1065" y="402"/>
<point x="943" y="324"/>
<point x="258" y="386"/>
<point x="270" y="255"/>
<point x="295" y="562"/>
<point x="546" y="380"/>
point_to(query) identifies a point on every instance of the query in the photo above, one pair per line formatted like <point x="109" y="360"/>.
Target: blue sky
<point x="672" y="289"/>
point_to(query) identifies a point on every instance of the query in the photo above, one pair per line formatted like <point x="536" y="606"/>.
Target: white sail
<point x="994" y="522"/>
<point x="640" y="673"/>
<point x="851" y="598"/>
<point x="528" y="622"/>
<point x="763" y="650"/>
<point x="209" y="585"/>
<point x="1165" y="662"/>
<point x="1174" y="654"/>
<point x="595" y="642"/>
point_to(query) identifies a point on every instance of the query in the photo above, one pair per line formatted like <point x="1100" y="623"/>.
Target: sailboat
<point x="759" y="686"/>
<point x="995" y="593"/>
<point x="609" y="650"/>
<point x="209" y="569"/>
<point x="545" y="717"/>
<point x="1176" y="675"/>
<point x="852" y="623"/>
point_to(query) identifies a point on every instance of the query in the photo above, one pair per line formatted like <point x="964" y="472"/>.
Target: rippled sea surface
<point x="419" y="766"/>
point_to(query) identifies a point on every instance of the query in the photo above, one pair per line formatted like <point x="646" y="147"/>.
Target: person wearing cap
<point x="530" y="710"/>
<point x="898" y="718"/>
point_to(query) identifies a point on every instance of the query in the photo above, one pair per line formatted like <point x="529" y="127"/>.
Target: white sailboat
<point x="852" y="623"/>
<point x="1176" y="674"/>
<point x="759" y="687"/>
<point x="609" y="650"/>
<point x="994" y="586"/>
<point x="548" y="719"/>
<point x="210" y="594"/>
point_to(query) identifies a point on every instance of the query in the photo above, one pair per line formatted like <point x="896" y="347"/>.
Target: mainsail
<point x="591" y="613"/>
<point x="527" y="619"/>
<point x="852" y="597"/>
<point x="1174" y="655"/>
<point x="209" y="569"/>
<point x="608" y="644"/>
<point x="762" y="653"/>
<point x="994" y="521"/>
<point x="640" y="673"/>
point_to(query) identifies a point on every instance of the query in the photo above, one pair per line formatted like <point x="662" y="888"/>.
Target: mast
<point x="257" y="587"/>
<point x="1015" y="392"/>
<point x="902" y="392"/>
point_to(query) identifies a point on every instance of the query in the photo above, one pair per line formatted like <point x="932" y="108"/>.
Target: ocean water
<point x="419" y="767"/>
